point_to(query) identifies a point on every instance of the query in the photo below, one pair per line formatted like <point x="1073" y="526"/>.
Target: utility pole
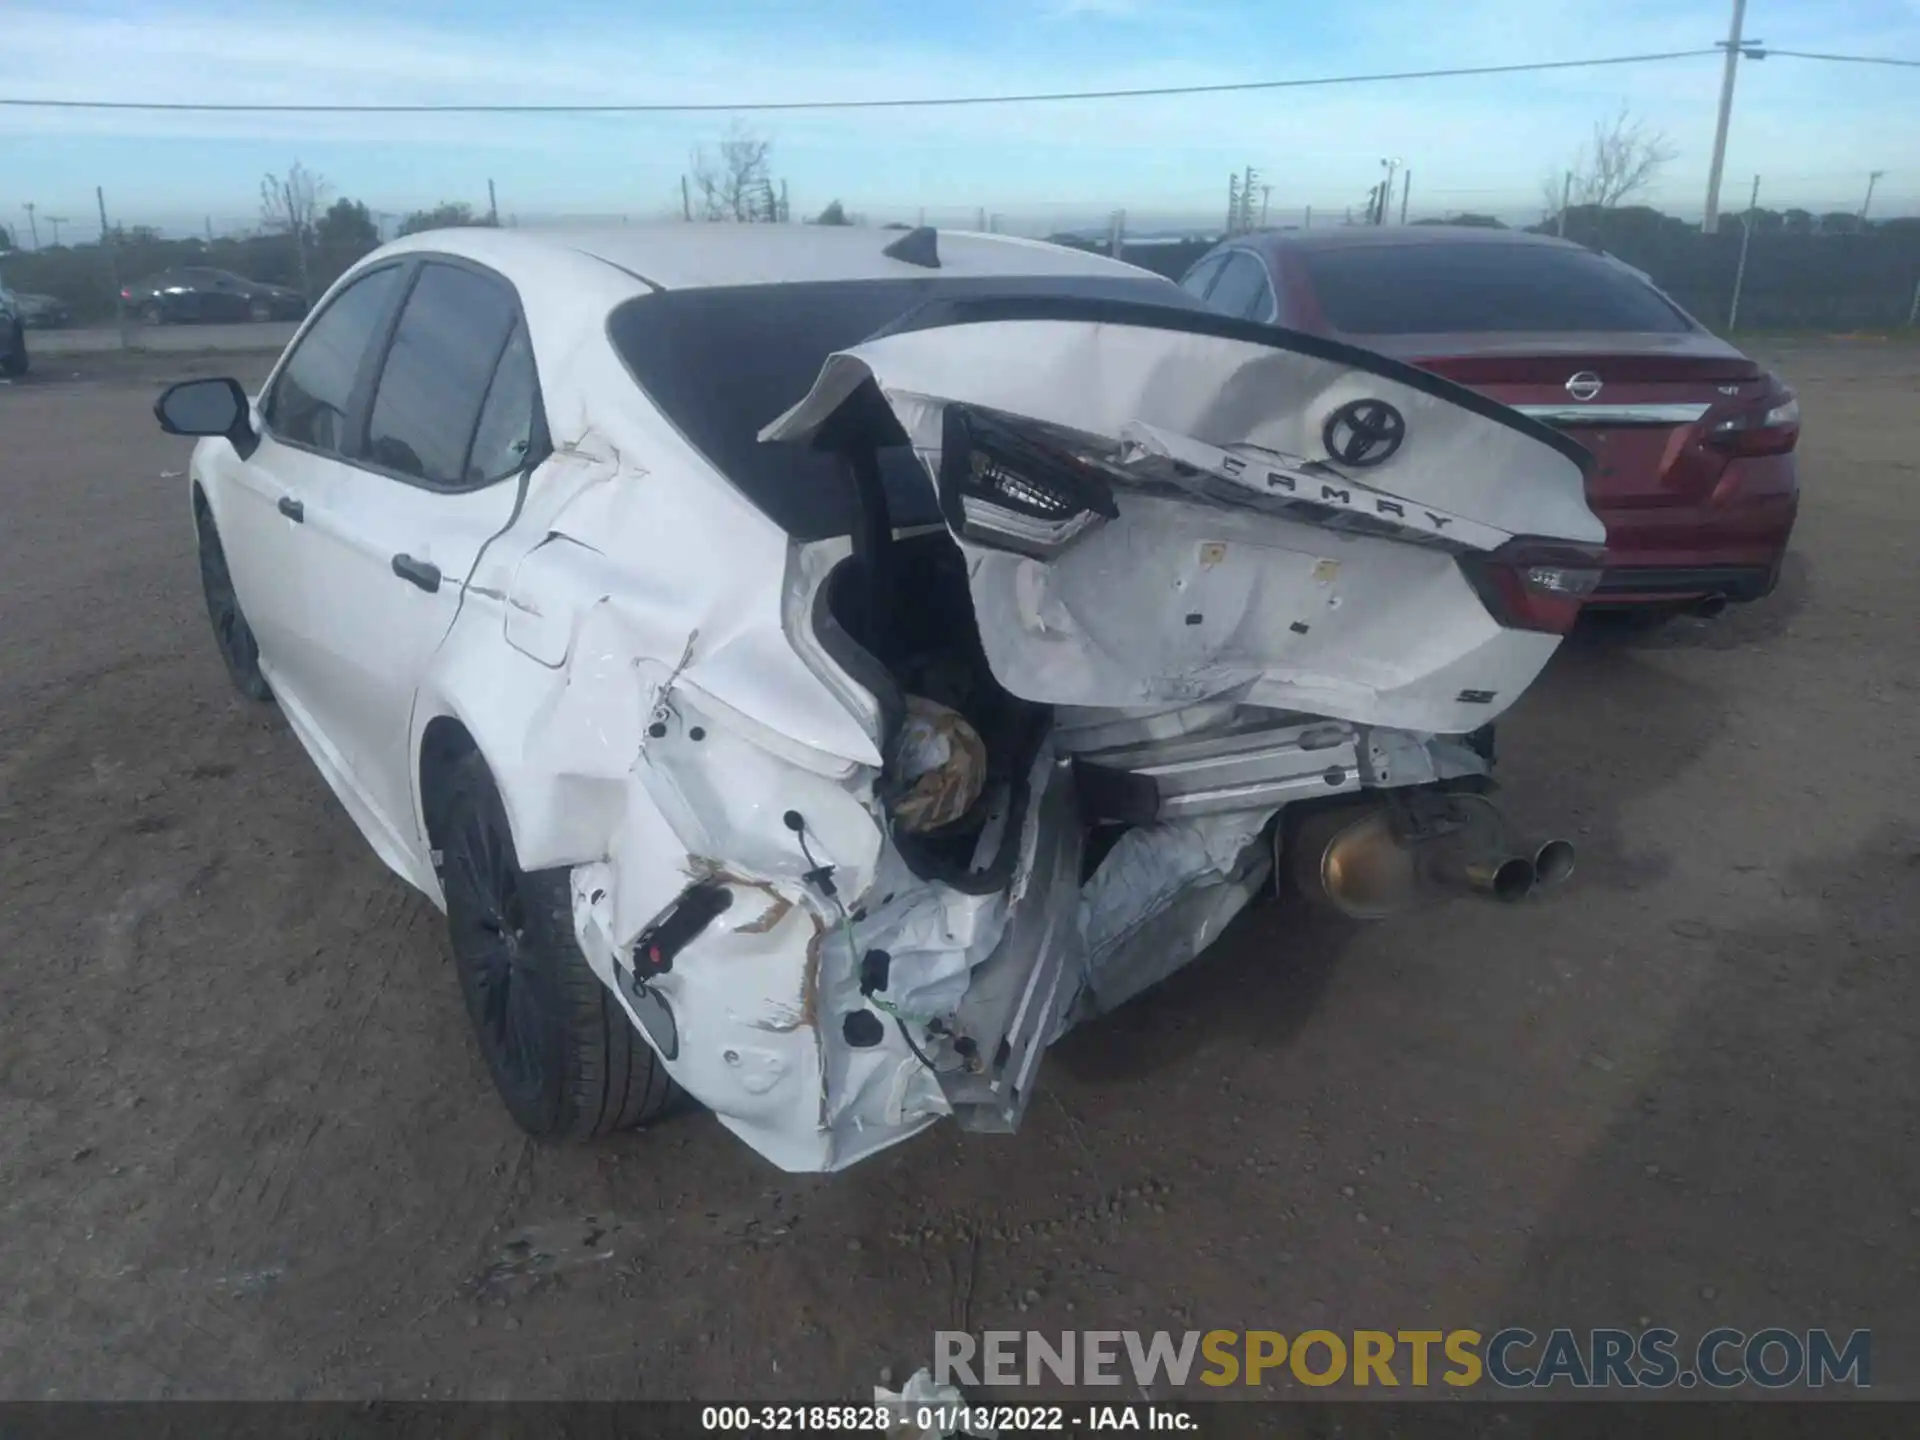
<point x="1233" y="201"/>
<point x="56" y="221"/>
<point x="1740" y="269"/>
<point x="1566" y="199"/>
<point x="33" y="226"/>
<point x="113" y="266"/>
<point x="980" y="217"/>
<point x="1873" y="177"/>
<point x="1306" y="220"/>
<point x="1266" y="198"/>
<point x="1406" y="189"/>
<point x="1710" y="219"/>
<point x="209" y="230"/>
<point x="1386" y="191"/>
<point x="493" y="206"/>
<point x="686" y="201"/>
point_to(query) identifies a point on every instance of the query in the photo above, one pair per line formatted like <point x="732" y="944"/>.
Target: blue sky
<point x="1812" y="131"/>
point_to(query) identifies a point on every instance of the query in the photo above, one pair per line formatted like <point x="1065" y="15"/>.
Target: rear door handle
<point x="293" y="510"/>
<point x="423" y="573"/>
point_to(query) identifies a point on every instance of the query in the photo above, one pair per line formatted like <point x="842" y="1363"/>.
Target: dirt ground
<point x="247" y="1148"/>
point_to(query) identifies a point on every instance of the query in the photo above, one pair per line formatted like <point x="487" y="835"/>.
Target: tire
<point x="15" y="365"/>
<point x="153" y="313"/>
<point x="563" y="1055"/>
<point x="231" y="634"/>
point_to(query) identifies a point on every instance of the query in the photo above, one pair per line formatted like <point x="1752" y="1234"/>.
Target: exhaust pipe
<point x="1370" y="863"/>
<point x="1708" y="606"/>
<point x="1552" y="862"/>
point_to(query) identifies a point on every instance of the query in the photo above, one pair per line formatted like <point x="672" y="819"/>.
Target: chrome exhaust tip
<point x="1552" y="862"/>
<point x="1506" y="878"/>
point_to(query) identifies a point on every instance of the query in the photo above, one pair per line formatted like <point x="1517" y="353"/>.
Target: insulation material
<point x="941" y="766"/>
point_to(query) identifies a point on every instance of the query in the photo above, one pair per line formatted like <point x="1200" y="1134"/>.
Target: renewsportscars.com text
<point x="1512" y="1358"/>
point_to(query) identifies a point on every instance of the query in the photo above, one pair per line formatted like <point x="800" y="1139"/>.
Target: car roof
<point x="1378" y="237"/>
<point x="708" y="256"/>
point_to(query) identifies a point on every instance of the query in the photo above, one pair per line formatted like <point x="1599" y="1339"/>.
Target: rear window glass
<point x="1434" y="289"/>
<point x="720" y="363"/>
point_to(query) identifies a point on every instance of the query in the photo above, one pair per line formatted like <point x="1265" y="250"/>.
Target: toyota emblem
<point x="1364" y="432"/>
<point x="1583" y="386"/>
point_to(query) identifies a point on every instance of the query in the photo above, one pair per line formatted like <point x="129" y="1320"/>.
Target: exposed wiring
<point x="892" y="103"/>
<point x="821" y="876"/>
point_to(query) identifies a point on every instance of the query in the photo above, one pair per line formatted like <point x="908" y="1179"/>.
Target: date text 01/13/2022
<point x="942" y="1418"/>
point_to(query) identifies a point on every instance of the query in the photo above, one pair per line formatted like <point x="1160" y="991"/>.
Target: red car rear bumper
<point x="1731" y="545"/>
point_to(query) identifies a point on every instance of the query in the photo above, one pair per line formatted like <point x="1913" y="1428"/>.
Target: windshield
<point x="721" y="363"/>
<point x="1432" y="288"/>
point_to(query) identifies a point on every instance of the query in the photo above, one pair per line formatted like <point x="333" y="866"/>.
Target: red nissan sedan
<point x="1696" y="477"/>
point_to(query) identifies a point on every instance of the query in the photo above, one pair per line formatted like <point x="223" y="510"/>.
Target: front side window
<point x="308" y="403"/>
<point x="451" y="336"/>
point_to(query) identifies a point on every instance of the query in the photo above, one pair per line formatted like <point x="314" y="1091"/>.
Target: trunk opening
<point x="899" y="618"/>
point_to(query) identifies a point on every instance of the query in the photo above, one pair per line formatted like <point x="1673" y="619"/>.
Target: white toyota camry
<point x="815" y="667"/>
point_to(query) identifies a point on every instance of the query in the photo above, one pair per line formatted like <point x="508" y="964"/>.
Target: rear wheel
<point x="231" y="633"/>
<point x="151" y="313"/>
<point x="562" y="1053"/>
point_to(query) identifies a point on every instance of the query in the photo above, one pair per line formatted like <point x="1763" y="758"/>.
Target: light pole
<point x="33" y="225"/>
<point x="1873" y="177"/>
<point x="56" y="221"/>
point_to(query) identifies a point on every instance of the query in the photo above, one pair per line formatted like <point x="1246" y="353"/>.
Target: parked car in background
<point x="198" y="293"/>
<point x="13" y="336"/>
<point x="41" y="312"/>
<point x="1695" y="475"/>
<point x="743" y="656"/>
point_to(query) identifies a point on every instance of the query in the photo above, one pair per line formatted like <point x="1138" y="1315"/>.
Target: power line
<point x="1767" y="52"/>
<point x="902" y="103"/>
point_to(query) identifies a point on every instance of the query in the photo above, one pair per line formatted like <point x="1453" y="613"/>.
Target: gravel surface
<point x="248" y="1149"/>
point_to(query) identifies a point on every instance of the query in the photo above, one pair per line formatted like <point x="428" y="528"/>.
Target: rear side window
<point x="450" y="339"/>
<point x="1201" y="276"/>
<point x="308" y="403"/>
<point x="505" y="433"/>
<point x="1434" y="289"/>
<point x="1242" y="289"/>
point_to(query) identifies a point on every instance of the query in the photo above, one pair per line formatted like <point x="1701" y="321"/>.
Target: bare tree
<point x="736" y="184"/>
<point x="1622" y="159"/>
<point x="290" y="205"/>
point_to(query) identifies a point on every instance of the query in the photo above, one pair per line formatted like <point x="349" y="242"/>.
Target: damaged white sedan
<point x="813" y="668"/>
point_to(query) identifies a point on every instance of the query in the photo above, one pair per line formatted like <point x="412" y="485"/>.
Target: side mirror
<point x="207" y="407"/>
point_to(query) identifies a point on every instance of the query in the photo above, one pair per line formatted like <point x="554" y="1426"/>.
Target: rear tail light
<point x="1534" y="584"/>
<point x="126" y="294"/>
<point x="1771" y="427"/>
<point x="1002" y="487"/>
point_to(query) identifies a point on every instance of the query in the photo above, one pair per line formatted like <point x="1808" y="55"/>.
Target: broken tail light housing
<point x="1003" y="487"/>
<point x="1535" y="584"/>
<point x="1771" y="427"/>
